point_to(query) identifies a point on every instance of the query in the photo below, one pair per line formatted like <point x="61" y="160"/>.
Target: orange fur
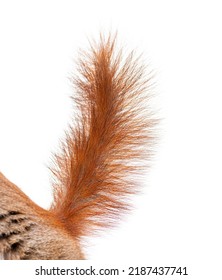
<point x="102" y="154"/>
<point x="97" y="168"/>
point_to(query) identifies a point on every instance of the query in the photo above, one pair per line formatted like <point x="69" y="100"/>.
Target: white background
<point x="177" y="219"/>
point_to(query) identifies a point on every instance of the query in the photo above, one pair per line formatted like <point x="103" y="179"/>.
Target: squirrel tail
<point x="103" y="154"/>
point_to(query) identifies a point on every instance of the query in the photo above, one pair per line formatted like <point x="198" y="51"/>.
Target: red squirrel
<point x="98" y="165"/>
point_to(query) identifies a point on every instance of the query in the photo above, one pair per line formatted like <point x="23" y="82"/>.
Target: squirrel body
<point x="96" y="169"/>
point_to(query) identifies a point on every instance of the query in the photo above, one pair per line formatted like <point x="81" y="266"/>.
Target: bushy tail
<point x="110" y="144"/>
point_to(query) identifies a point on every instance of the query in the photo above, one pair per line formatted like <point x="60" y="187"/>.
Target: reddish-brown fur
<point x="102" y="156"/>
